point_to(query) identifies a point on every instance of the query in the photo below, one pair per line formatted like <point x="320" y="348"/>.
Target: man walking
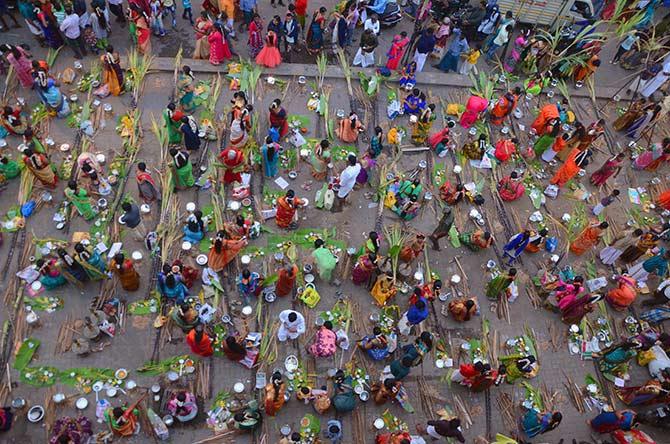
<point x="442" y="228"/>
<point x="70" y="27"/>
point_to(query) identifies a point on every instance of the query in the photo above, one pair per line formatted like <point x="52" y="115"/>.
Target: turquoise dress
<point x="345" y="399"/>
<point x="534" y="423"/>
<point x="193" y="236"/>
<point x="270" y="166"/>
<point x="178" y="293"/>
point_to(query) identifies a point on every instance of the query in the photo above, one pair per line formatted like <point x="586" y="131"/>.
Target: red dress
<point x="218" y="48"/>
<point x="269" y="55"/>
<point x="202" y="348"/>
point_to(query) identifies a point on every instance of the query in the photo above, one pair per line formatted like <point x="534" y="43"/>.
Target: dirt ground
<point x="138" y="342"/>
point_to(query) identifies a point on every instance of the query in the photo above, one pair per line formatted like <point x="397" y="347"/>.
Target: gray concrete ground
<point x="134" y="346"/>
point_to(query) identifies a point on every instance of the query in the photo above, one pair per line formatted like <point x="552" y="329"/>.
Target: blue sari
<point x="193" y="236"/>
<point x="53" y="98"/>
<point x="533" y="424"/>
<point x="270" y="166"/>
<point x="178" y="293"/>
<point x="376" y="354"/>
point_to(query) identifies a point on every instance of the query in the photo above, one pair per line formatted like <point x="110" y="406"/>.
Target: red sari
<point x="396" y="52"/>
<point x="286" y="281"/>
<point x="286" y="211"/>
<point x="510" y="189"/>
<point x="503" y="108"/>
<point x="586" y="240"/>
<point x="606" y="171"/>
<point x="231" y="175"/>
<point x="218" y="48"/>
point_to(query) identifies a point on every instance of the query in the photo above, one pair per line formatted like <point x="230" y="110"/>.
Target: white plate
<point x="309" y="278"/>
<point x="121" y="373"/>
<point x="172" y="376"/>
<point x="82" y="403"/>
<point x="238" y="387"/>
<point x="120" y="220"/>
<point x="201" y="259"/>
<point x="305" y="202"/>
<point x="136" y="255"/>
<point x="379" y="423"/>
<point x="186" y="245"/>
<point x="190" y="207"/>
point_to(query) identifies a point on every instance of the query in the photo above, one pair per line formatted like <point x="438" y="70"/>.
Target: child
<point x="605" y="202"/>
<point x="157" y="18"/>
<point x="188" y="11"/>
<point x="470" y="61"/>
<point x="90" y="39"/>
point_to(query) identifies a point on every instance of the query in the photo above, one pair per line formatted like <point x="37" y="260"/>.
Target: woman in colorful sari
<point x="140" y="21"/>
<point x="203" y="25"/>
<point x="19" y="58"/>
<point x="286" y="208"/>
<point x="174" y="290"/>
<point x="49" y="26"/>
<point x="286" y="280"/>
<point x="574" y="307"/>
<point x="652" y="392"/>
<point x="610" y="168"/>
<point x="146" y="186"/>
<point x="376" y="345"/>
<point x="476" y="240"/>
<point x="650" y="160"/>
<point x="607" y="421"/>
<point x="576" y="161"/>
<point x="550" y="133"/>
<point x="183" y="169"/>
<point x="194" y="230"/>
<point x="186" y="90"/>
<point x="223" y="251"/>
<point x="39" y="165"/>
<point x="182" y="406"/>
<point x="588" y="238"/>
<point x="71" y="430"/>
<point x="423" y="124"/>
<point x="9" y="169"/>
<point x="364" y="269"/>
<point x="278" y="118"/>
<point x="13" y="121"/>
<point x="91" y="261"/>
<point x="50" y="275"/>
<point x="112" y="74"/>
<point x="50" y="95"/>
<point x="200" y="342"/>
<point x="536" y="423"/>
<point x="123" y="423"/>
<point x="125" y="271"/>
<point x="79" y="198"/>
<point x="412" y="248"/>
<point x="325" y="341"/>
<point x="274" y="394"/>
<point x="511" y="187"/>
<point x="408" y="76"/>
<point x="71" y="266"/>
<point x="219" y="51"/>
<point x="255" y="41"/>
<point x="504" y="106"/>
<point x="499" y="284"/>
<point x="270" y="153"/>
<point x="348" y="129"/>
<point x="239" y="129"/>
<point x="634" y="112"/>
<point x="637" y="128"/>
<point x="315" y="32"/>
<point x="172" y="121"/>
<point x="473" y="110"/>
<point x="397" y="50"/>
<point x="520" y="43"/>
<point x="642" y="244"/>
<point x="319" y="159"/>
<point x="613" y="361"/>
<point x="384" y="289"/>
<point x="238" y="228"/>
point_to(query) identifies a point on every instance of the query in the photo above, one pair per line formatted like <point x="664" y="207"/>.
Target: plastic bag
<point x="274" y="134"/>
<point x="551" y="244"/>
<point x="28" y="208"/>
<point x="310" y="297"/>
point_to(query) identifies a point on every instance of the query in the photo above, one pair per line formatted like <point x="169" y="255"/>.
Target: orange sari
<point x="586" y="240"/>
<point x="567" y="171"/>
<point x="229" y="249"/>
<point x="664" y="200"/>
<point x="286" y="211"/>
<point x="274" y="403"/>
<point x="285" y="282"/>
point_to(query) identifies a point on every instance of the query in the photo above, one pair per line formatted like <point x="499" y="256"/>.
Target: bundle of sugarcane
<point x="9" y="80"/>
<point x="177" y="68"/>
<point x="26" y="186"/>
<point x="139" y="66"/>
<point x="61" y="340"/>
<point x="321" y="67"/>
<point x="574" y="394"/>
<point x="202" y="380"/>
<point x="49" y="411"/>
<point x="507" y="410"/>
<point x="4" y="393"/>
<point x="396" y="237"/>
<point x="462" y="411"/>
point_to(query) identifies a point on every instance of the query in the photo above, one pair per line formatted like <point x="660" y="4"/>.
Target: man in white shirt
<point x="70" y="27"/>
<point x="292" y="325"/>
<point x="347" y="181"/>
<point x="372" y="23"/>
<point x="501" y="39"/>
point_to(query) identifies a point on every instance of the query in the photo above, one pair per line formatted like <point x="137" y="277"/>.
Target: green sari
<point x="81" y="202"/>
<point x="10" y="169"/>
<point x="184" y="176"/>
<point x="186" y="93"/>
<point x="174" y="134"/>
<point x="498" y="285"/>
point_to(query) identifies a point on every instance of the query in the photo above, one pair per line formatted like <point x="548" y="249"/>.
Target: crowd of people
<point x="563" y="146"/>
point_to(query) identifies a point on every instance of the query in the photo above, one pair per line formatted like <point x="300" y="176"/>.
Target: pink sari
<point x="22" y="66"/>
<point x="218" y="48"/>
<point x="396" y="52"/>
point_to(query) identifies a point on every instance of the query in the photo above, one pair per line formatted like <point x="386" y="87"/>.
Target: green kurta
<point x="325" y="261"/>
<point x="81" y="201"/>
<point x="174" y="134"/>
